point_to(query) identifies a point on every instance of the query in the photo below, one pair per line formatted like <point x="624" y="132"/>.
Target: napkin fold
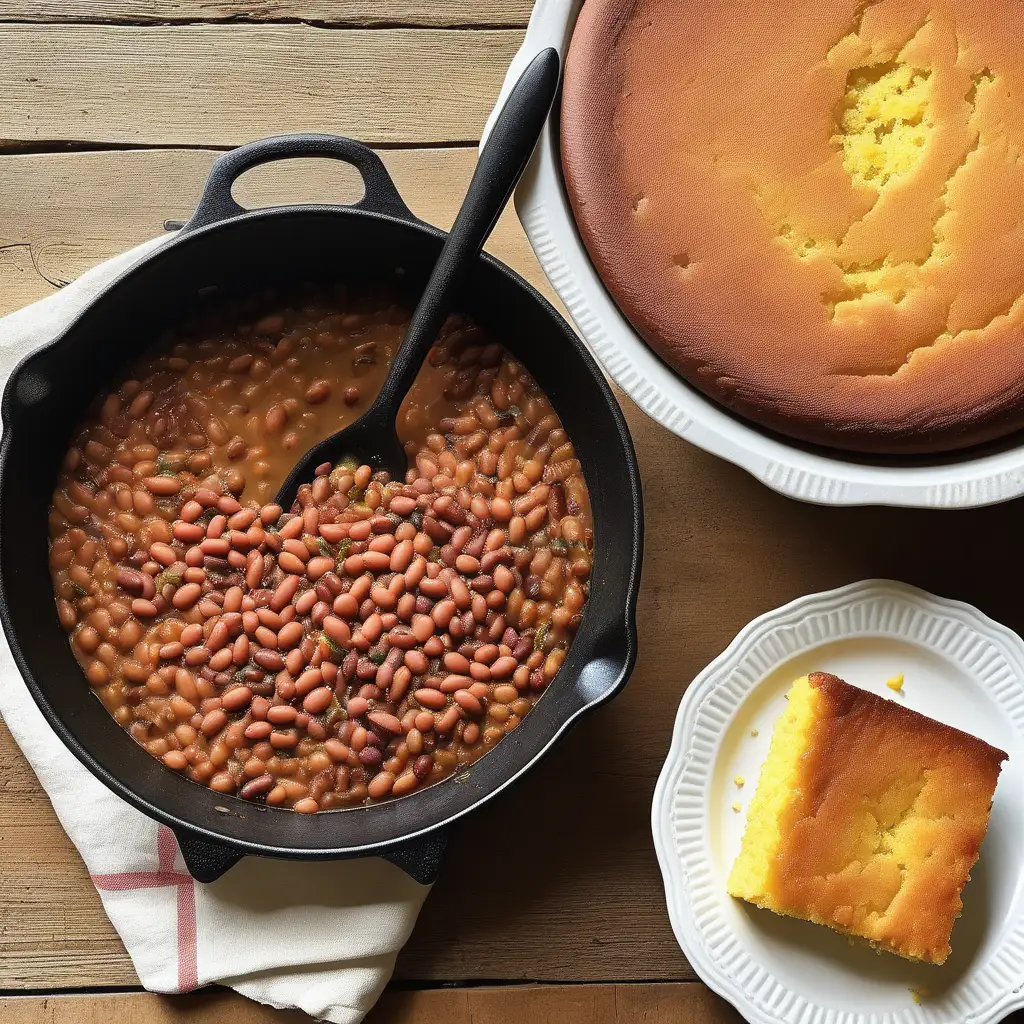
<point x="318" y="936"/>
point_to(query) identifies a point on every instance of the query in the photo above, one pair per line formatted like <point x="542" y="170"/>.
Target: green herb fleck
<point x="540" y="636"/>
<point x="332" y="646"/>
<point x="325" y="548"/>
<point x="355" y="493"/>
<point x="378" y="657"/>
<point x="79" y="589"/>
<point x="167" y="577"/>
<point x="435" y="554"/>
<point x="164" y="467"/>
<point x="343" y="549"/>
<point x="559" y="546"/>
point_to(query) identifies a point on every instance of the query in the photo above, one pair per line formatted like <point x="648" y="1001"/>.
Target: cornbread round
<point x="814" y="214"/>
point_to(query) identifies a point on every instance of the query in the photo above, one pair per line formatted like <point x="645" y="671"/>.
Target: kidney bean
<point x="380" y="785"/>
<point x="385" y="721"/>
<point x="317" y="701"/>
<point x="451" y="683"/>
<point x="268" y="659"/>
<point x="309" y="680"/>
<point x="432" y="699"/>
<point x="448" y="720"/>
<point x="186" y="596"/>
<point x="289" y="636"/>
<point x="213" y="722"/>
<point x="284" y="593"/>
<point x="284" y="739"/>
<point x="357" y="707"/>
<point x="290" y="563"/>
<point x="259" y="730"/>
<point x="236" y="699"/>
<point x="257" y="787"/>
<point x="456" y="662"/>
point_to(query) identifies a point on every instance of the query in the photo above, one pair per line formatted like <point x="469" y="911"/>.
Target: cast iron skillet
<point x="223" y="250"/>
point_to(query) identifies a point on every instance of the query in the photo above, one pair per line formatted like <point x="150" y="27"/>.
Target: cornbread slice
<point x="867" y="818"/>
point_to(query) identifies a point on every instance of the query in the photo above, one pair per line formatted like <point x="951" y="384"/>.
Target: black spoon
<point x="372" y="439"/>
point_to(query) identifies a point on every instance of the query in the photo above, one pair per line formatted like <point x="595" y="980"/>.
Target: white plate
<point x="961" y="668"/>
<point x="956" y="482"/>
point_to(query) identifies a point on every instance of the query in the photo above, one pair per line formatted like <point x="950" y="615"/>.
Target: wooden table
<point x="550" y="906"/>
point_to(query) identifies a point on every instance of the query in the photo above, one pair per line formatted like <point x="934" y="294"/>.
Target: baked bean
<point x="213" y="722"/>
<point x="468" y="702"/>
<point x="381" y="785"/>
<point x="318" y="700"/>
<point x="433" y="699"/>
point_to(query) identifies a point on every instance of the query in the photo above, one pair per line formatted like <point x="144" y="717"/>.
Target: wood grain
<point x="221" y="85"/>
<point x="60" y="214"/>
<point x="543" y="1004"/>
<point x="525" y="1004"/>
<point x="451" y="13"/>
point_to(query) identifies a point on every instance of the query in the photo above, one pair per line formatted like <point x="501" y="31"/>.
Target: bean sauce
<point x="371" y="639"/>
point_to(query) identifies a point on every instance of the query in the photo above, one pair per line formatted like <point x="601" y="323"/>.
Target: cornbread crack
<point x="867" y="818"/>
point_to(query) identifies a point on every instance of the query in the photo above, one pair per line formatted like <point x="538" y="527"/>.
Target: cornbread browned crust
<point x="883" y="822"/>
<point x="815" y="212"/>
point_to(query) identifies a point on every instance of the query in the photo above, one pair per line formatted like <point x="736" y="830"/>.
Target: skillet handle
<point x="419" y="858"/>
<point x="206" y="861"/>
<point x="610" y="665"/>
<point x="217" y="203"/>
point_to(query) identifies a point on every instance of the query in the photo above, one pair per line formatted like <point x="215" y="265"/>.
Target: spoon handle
<point x="502" y="162"/>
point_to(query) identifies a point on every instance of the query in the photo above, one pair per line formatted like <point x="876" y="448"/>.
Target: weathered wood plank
<point x="60" y="214"/>
<point x="449" y="13"/>
<point x="221" y="85"/>
<point x="526" y="1004"/>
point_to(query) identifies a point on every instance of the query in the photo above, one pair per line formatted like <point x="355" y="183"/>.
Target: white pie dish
<point x="961" y="668"/>
<point x="976" y="477"/>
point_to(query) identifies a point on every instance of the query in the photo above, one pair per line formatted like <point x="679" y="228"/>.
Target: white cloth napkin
<point x="320" y="936"/>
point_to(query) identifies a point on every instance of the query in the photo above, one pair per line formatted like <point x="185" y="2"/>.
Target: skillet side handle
<point x="206" y="861"/>
<point x="420" y="858"/>
<point x="217" y="204"/>
<point x="609" y="669"/>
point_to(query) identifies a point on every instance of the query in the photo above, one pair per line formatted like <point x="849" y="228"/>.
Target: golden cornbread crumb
<point x="754" y="732"/>
<point x="737" y="806"/>
<point x="884" y="123"/>
<point x="738" y="780"/>
<point x="896" y="682"/>
<point x="867" y="818"/>
<point x="918" y="994"/>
